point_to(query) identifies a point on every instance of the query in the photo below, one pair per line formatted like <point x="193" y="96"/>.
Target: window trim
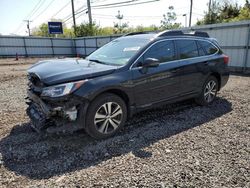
<point x="177" y="60"/>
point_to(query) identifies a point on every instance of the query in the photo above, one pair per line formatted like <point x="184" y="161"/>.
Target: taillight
<point x="226" y="59"/>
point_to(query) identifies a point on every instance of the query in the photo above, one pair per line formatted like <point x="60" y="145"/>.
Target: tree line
<point x="220" y="11"/>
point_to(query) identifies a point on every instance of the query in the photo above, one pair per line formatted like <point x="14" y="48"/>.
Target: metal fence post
<point x="96" y="45"/>
<point x="74" y="47"/>
<point x="52" y="47"/>
<point x="85" y="50"/>
<point x="247" y="49"/>
<point x="25" y="48"/>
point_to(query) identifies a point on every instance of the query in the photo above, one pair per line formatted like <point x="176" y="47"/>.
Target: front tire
<point x="106" y="115"/>
<point x="209" y="91"/>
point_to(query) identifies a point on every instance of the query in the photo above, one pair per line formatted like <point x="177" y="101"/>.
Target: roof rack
<point x="179" y="33"/>
<point x="201" y="34"/>
<point x="140" y="32"/>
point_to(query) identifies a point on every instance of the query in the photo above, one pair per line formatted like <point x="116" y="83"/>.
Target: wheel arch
<point x="120" y="93"/>
<point x="218" y="77"/>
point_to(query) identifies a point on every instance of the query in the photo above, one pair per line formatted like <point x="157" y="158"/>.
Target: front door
<point x="156" y="84"/>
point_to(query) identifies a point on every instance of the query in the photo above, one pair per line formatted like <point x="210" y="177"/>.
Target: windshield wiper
<point x="97" y="61"/>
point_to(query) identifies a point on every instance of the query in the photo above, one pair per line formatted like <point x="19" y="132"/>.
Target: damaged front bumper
<point x="59" y="115"/>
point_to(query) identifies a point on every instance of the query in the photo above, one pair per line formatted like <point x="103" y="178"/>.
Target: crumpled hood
<point x="58" y="71"/>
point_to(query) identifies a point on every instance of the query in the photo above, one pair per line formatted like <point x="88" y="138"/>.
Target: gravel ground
<point x="180" y="145"/>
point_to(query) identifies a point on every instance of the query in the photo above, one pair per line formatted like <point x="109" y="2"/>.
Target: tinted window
<point x="208" y="47"/>
<point x="200" y="49"/>
<point x="187" y="48"/>
<point x="163" y="51"/>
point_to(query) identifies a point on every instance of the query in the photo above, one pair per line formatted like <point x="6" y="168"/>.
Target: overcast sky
<point x="13" y="12"/>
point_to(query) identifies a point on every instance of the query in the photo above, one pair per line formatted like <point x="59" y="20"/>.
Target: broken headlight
<point x="62" y="89"/>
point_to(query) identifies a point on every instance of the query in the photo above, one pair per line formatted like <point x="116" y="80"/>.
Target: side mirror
<point x="150" y="62"/>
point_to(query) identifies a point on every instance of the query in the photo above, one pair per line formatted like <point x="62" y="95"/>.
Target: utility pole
<point x="185" y="19"/>
<point x="73" y="15"/>
<point x="209" y="10"/>
<point x="190" y="16"/>
<point x="119" y="17"/>
<point x="89" y="12"/>
<point x="28" y="25"/>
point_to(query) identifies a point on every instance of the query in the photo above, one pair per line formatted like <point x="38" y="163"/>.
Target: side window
<point x="200" y="49"/>
<point x="208" y="47"/>
<point x="164" y="51"/>
<point x="187" y="48"/>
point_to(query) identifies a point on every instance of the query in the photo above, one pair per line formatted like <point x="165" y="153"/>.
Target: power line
<point x="124" y="2"/>
<point x="151" y="1"/>
<point x="35" y="8"/>
<point x="32" y="12"/>
<point x="128" y="19"/>
<point x="61" y="9"/>
<point x="97" y="7"/>
<point x="79" y="15"/>
<point x="70" y="15"/>
<point x="121" y="4"/>
<point x="43" y="10"/>
<point x="67" y="17"/>
<point x="81" y="11"/>
<point x="75" y="15"/>
<point x="129" y="16"/>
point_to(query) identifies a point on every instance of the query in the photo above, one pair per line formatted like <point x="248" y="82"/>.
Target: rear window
<point x="207" y="47"/>
<point x="187" y="48"/>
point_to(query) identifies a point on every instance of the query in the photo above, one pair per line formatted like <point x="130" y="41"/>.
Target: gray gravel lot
<point x="179" y="145"/>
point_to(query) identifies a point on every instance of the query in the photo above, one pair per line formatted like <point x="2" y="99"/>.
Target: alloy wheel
<point x="210" y="91"/>
<point x="108" y="117"/>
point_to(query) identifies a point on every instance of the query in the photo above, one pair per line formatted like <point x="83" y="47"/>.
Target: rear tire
<point x="106" y="115"/>
<point x="209" y="91"/>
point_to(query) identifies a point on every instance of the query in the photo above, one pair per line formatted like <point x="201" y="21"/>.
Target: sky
<point x="14" y="12"/>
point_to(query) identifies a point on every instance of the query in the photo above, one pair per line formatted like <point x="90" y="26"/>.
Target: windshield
<point x="118" y="52"/>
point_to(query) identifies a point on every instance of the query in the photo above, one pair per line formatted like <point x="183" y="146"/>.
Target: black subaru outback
<point x="127" y="75"/>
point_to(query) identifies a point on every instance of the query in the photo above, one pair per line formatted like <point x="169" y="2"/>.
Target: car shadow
<point x="40" y="157"/>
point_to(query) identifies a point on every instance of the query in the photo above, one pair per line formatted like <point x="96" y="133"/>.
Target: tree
<point x="106" y="31"/>
<point x="228" y="12"/>
<point x="225" y="12"/>
<point x="42" y="31"/>
<point x="86" y="29"/>
<point x="244" y="12"/>
<point x="212" y="16"/>
<point x="169" y="19"/>
<point x="141" y="28"/>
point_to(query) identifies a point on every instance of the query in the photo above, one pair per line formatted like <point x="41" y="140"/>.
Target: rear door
<point x="157" y="83"/>
<point x="190" y="66"/>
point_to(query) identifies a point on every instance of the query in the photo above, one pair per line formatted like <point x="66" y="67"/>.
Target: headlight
<point x="62" y="89"/>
